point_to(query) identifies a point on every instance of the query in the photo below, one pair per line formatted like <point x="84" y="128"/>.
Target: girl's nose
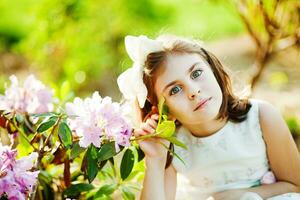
<point x="194" y="93"/>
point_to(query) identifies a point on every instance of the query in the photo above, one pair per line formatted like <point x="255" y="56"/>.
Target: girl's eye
<point x="175" y="90"/>
<point x="196" y="73"/>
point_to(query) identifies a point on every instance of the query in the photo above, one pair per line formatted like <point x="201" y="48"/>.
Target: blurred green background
<point x="81" y="41"/>
<point x="78" y="45"/>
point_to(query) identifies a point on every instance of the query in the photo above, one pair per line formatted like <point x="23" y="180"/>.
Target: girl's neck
<point x="207" y="128"/>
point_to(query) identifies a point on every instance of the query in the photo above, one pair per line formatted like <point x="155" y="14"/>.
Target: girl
<point x="234" y="144"/>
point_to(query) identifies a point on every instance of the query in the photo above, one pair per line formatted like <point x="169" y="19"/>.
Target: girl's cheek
<point x="172" y="104"/>
<point x="177" y="101"/>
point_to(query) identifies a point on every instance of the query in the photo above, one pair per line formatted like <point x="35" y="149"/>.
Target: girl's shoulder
<point x="257" y="102"/>
<point x="265" y="109"/>
<point x="262" y="108"/>
<point x="269" y="113"/>
<point x="270" y="119"/>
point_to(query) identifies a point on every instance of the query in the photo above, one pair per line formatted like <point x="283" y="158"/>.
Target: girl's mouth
<point x="202" y="103"/>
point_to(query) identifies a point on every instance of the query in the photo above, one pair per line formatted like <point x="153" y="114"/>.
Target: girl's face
<point x="190" y="88"/>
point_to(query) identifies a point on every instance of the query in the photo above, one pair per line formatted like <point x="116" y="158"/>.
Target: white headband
<point x="131" y="82"/>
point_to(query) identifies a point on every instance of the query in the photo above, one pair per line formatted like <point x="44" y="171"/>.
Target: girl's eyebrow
<point x="171" y="83"/>
<point x="188" y="71"/>
<point x="192" y="67"/>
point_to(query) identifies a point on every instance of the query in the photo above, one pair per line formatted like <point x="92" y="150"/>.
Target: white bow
<point x="131" y="82"/>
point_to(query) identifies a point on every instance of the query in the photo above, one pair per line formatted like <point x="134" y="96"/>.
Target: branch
<point x="241" y="8"/>
<point x="41" y="154"/>
<point x="285" y="43"/>
<point x="270" y="24"/>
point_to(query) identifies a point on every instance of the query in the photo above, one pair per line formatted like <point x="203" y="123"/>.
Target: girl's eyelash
<point x="172" y="90"/>
<point x="194" y="72"/>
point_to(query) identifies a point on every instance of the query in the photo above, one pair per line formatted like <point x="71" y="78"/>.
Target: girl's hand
<point x="151" y="147"/>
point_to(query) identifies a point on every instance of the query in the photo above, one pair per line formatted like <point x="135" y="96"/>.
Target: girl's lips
<point x="202" y="103"/>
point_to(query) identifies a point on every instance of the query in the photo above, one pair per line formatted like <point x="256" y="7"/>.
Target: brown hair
<point x="233" y="108"/>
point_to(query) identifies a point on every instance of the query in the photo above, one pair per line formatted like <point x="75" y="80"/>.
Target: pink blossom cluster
<point x="32" y="97"/>
<point x="96" y="119"/>
<point x="16" y="181"/>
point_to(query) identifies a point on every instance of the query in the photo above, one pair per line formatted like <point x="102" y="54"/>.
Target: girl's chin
<point x="201" y="120"/>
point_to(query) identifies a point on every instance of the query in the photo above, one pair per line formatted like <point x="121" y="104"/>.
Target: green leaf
<point x="103" y="197"/>
<point x="161" y="105"/>
<point x="106" y="151"/>
<point x="76" y="150"/>
<point x="141" y="154"/>
<point x="23" y="147"/>
<point x="127" y="194"/>
<point x="45" y="176"/>
<point x="75" y="190"/>
<point x="127" y="164"/>
<point x="65" y="135"/>
<point x="76" y="174"/>
<point x="101" y="164"/>
<point x="47" y="193"/>
<point x="48" y="158"/>
<point x="132" y="175"/>
<point x="165" y="129"/>
<point x="112" y="161"/>
<point x="106" y="189"/>
<point x="164" y="117"/>
<point x="43" y="115"/>
<point x="46" y="125"/>
<point x="19" y="118"/>
<point x="25" y="128"/>
<point x="162" y="109"/>
<point x="175" y="141"/>
<point x="92" y="168"/>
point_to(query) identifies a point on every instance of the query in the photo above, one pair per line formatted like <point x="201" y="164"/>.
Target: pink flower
<point x="33" y="97"/>
<point x="268" y="178"/>
<point x="16" y="180"/>
<point x="95" y="119"/>
<point x="7" y="158"/>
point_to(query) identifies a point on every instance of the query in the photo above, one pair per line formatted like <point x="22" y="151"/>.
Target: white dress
<point x="232" y="158"/>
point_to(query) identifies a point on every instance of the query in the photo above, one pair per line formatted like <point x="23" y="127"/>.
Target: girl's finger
<point x="154" y="109"/>
<point x="155" y="116"/>
<point x="152" y="123"/>
<point x="139" y="132"/>
<point x="147" y="128"/>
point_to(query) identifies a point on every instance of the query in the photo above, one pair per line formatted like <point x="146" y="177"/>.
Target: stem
<point x="67" y="174"/>
<point x="28" y="125"/>
<point x="116" y="175"/>
<point x="113" y="168"/>
<point x="146" y="136"/>
<point x="41" y="155"/>
<point x="19" y="130"/>
<point x="171" y="152"/>
<point x="143" y="137"/>
<point x="51" y="133"/>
